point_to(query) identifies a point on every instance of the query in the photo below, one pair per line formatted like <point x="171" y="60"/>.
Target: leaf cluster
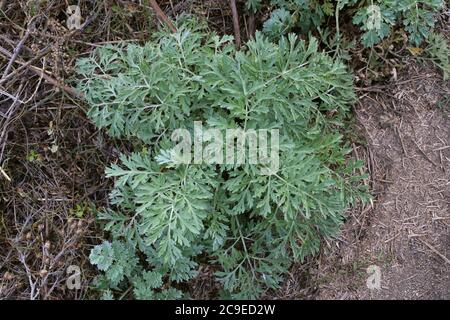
<point x="165" y="220"/>
<point x="376" y="18"/>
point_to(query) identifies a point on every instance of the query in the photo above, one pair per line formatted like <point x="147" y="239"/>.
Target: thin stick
<point x="27" y="64"/>
<point x="42" y="74"/>
<point x="18" y="48"/>
<point x="435" y="251"/>
<point x="425" y="155"/>
<point x="237" y="32"/>
<point x="162" y="15"/>
<point x="4" y="174"/>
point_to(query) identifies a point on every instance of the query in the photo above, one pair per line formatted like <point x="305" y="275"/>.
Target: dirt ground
<point x="406" y="232"/>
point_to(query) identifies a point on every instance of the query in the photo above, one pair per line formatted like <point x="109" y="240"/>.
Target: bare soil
<point x="406" y="230"/>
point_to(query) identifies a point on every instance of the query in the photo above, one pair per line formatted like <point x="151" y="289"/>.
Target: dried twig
<point x="19" y="47"/>
<point x="162" y="15"/>
<point x="4" y="174"/>
<point x="42" y="74"/>
<point x="425" y="155"/>
<point x="435" y="251"/>
<point x="237" y="32"/>
<point x="5" y="125"/>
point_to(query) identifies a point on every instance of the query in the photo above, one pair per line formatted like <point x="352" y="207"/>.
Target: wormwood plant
<point x="167" y="219"/>
<point x="376" y="18"/>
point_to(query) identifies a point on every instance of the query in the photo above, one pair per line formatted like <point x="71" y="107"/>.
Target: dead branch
<point x="42" y="74"/>
<point x="435" y="251"/>
<point x="162" y="15"/>
<point x="19" y="47"/>
<point x="237" y="32"/>
<point x="42" y="53"/>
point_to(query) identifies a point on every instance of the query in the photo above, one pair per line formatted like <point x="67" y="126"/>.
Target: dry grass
<point x="52" y="159"/>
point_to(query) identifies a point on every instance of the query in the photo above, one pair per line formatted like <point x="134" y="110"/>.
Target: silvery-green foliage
<point x="376" y="18"/>
<point x="417" y="17"/>
<point x="166" y="219"/>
